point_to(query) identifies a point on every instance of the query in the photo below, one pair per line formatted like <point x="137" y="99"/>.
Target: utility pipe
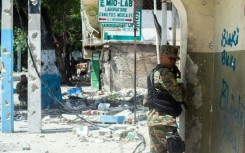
<point x="135" y="92"/>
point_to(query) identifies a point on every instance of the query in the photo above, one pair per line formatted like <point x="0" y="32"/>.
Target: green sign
<point x="120" y="11"/>
<point x="123" y="31"/>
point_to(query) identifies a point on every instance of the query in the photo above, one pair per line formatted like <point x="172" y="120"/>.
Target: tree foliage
<point x="65" y="20"/>
<point x="20" y="40"/>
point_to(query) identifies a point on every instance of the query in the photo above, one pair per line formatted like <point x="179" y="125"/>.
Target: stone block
<point x="105" y="132"/>
<point x="82" y="130"/>
<point x="69" y="117"/>
<point x="120" y="134"/>
<point x="26" y="146"/>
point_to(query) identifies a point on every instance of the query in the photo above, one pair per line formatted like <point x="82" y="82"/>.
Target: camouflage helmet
<point x="169" y="51"/>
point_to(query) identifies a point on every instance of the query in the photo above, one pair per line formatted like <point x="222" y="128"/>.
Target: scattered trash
<point x="112" y="119"/>
<point x="74" y="91"/>
<point x="131" y="136"/>
<point x="103" y="106"/>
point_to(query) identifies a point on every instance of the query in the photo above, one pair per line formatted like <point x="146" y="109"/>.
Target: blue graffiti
<point x="230" y="38"/>
<point x="231" y="105"/>
<point x="228" y="60"/>
<point x="229" y="133"/>
<point x="233" y="112"/>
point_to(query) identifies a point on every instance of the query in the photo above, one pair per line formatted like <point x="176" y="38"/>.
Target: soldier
<point x="164" y="99"/>
<point x="21" y="89"/>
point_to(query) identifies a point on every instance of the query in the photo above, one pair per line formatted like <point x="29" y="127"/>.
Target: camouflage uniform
<point x="21" y="89"/>
<point x="161" y="124"/>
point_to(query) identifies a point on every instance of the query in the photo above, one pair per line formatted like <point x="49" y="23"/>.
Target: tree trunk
<point x="62" y="51"/>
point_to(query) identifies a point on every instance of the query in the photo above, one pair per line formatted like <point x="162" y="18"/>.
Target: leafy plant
<point x="112" y="96"/>
<point x="20" y="43"/>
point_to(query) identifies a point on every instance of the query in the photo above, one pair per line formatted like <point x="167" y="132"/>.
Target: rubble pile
<point x="111" y="115"/>
<point x="98" y="117"/>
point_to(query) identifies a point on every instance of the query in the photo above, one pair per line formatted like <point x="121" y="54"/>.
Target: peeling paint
<point x="6" y="103"/>
<point x="195" y="134"/>
<point x="3" y="68"/>
<point x="34" y="35"/>
<point x="34" y="88"/>
<point x="5" y="51"/>
<point x="8" y="12"/>
<point x="191" y="74"/>
<point x="196" y="128"/>
<point x="32" y="47"/>
<point x="198" y="97"/>
<point x="32" y="113"/>
<point x="191" y="77"/>
<point x="8" y="116"/>
<point x="32" y="77"/>
<point x="29" y="18"/>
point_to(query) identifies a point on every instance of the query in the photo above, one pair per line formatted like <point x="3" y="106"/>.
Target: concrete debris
<point x="83" y="139"/>
<point x="69" y="117"/>
<point x="46" y="151"/>
<point x="46" y="119"/>
<point x="120" y="133"/>
<point x="120" y="127"/>
<point x="82" y="130"/>
<point x="55" y="120"/>
<point x="127" y="113"/>
<point x="105" y="132"/>
<point x="26" y="146"/>
<point x="41" y="136"/>
<point x="131" y="136"/>
<point x="103" y="106"/>
<point x="112" y="119"/>
<point x="147" y="150"/>
<point x="99" y="140"/>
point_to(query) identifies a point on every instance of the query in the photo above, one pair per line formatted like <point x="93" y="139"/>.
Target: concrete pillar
<point x="34" y="83"/>
<point x="7" y="67"/>
<point x="164" y="22"/>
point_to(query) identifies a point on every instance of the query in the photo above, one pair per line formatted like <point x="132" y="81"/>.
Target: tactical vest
<point x="161" y="99"/>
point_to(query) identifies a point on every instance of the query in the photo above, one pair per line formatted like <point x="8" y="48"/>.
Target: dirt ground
<point x="59" y="137"/>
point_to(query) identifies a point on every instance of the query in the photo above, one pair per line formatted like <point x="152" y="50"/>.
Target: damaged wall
<point x="199" y="75"/>
<point x="229" y="84"/>
<point x="215" y="84"/>
<point x="119" y="71"/>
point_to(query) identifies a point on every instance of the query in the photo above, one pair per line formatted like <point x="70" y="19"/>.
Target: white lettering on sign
<point x="122" y="31"/>
<point x="116" y="11"/>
